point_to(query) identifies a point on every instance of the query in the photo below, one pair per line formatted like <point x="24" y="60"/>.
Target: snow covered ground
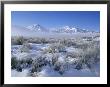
<point x="62" y="58"/>
<point x="47" y="71"/>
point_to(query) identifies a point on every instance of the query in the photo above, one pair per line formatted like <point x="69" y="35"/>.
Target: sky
<point x="50" y="19"/>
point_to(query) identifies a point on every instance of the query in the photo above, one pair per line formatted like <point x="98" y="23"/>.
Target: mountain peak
<point x="36" y="27"/>
<point x="70" y="29"/>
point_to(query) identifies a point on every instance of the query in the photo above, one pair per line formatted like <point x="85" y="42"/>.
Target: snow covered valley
<point x="55" y="57"/>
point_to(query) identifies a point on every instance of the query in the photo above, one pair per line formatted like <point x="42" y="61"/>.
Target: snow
<point x="79" y="73"/>
<point x="39" y="46"/>
<point x="49" y="56"/>
<point x="61" y="59"/>
<point x="96" y="39"/>
<point x="15" y="73"/>
<point x="72" y="60"/>
<point x="48" y="71"/>
<point x="37" y="50"/>
<point x="21" y="55"/>
<point x="36" y="28"/>
<point x="71" y="49"/>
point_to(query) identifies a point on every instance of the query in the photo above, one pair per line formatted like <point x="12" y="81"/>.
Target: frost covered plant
<point x="35" y="74"/>
<point x="49" y="50"/>
<point x="17" y="40"/>
<point x="92" y="55"/>
<point x="26" y="47"/>
<point x="71" y="54"/>
<point x="38" y="40"/>
<point x="82" y="45"/>
<point x="44" y="40"/>
<point x="88" y="57"/>
<point x="79" y="65"/>
<point x="68" y="42"/>
<point x="54" y="58"/>
<point x="58" y="47"/>
<point x="29" y="61"/>
<point x="59" y="67"/>
<point x="37" y="64"/>
<point x="87" y="38"/>
<point x="20" y="64"/>
<point x="54" y="48"/>
<point x="26" y="62"/>
<point x="34" y="40"/>
<point x="20" y="40"/>
<point x="14" y="62"/>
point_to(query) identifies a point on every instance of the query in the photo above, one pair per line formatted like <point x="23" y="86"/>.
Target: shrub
<point x="14" y="62"/>
<point x="82" y="45"/>
<point x="38" y="40"/>
<point x="68" y="42"/>
<point x="26" y="47"/>
<point x="18" y="67"/>
<point x="49" y="50"/>
<point x="26" y="62"/>
<point x="54" y="48"/>
<point x="57" y="47"/>
<point x="18" y="40"/>
<point x="89" y="56"/>
<point x="79" y="65"/>
<point x="59" y="67"/>
<point x="20" y="64"/>
<point x="37" y="64"/>
<point x="72" y="55"/>
<point x="54" y="58"/>
<point x="44" y="41"/>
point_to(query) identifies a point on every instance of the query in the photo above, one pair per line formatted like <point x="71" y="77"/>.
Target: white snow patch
<point x="72" y="49"/>
<point x="48" y="71"/>
<point x="79" y="73"/>
<point x="15" y="73"/>
<point x="61" y="59"/>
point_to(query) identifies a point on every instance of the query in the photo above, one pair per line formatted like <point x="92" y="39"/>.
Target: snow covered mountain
<point x="37" y="27"/>
<point x="63" y="29"/>
<point x="70" y="29"/>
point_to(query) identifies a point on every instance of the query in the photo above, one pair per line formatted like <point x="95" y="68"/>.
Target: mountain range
<point x="63" y="29"/>
<point x="38" y="29"/>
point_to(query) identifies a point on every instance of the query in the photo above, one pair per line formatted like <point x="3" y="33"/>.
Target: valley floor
<point x="55" y="58"/>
